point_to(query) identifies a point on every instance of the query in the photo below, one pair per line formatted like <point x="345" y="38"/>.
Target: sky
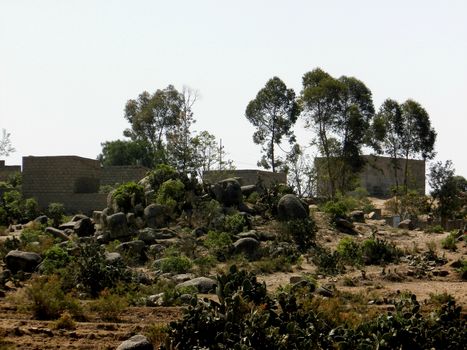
<point x="67" y="67"/>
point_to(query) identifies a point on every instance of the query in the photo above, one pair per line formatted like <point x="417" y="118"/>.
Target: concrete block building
<point x="246" y="176"/>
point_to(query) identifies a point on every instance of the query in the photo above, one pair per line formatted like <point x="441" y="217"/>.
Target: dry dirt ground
<point x="19" y="331"/>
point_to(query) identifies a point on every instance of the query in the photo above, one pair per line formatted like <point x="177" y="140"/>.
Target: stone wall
<point x="71" y="180"/>
<point x="112" y="175"/>
<point x="246" y="176"/>
<point x="7" y="170"/>
<point x="378" y="176"/>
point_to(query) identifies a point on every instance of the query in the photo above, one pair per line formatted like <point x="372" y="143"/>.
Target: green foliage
<point x="434" y="229"/>
<point x="246" y="317"/>
<point x="450" y="241"/>
<point x="273" y="112"/>
<point x="128" y="195"/>
<point x="176" y="264"/>
<point x="123" y="152"/>
<point x="170" y="193"/>
<point x="54" y="258"/>
<point x="55" y="211"/>
<point x="46" y="299"/>
<point x="219" y="244"/>
<point x="13" y="204"/>
<point x="327" y="262"/>
<point x="234" y="223"/>
<point x="93" y="272"/>
<point x="350" y="251"/>
<point x="31" y="209"/>
<point x="109" y="306"/>
<point x="65" y="322"/>
<point x="337" y="209"/>
<point x="302" y="232"/>
<point x="378" y="251"/>
<point x="161" y="174"/>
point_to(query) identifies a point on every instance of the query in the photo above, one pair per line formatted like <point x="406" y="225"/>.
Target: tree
<point x="180" y="146"/>
<point x="300" y="171"/>
<point x="5" y="144"/>
<point x="126" y="152"/>
<point x="153" y="117"/>
<point x="404" y="131"/>
<point x="340" y="112"/>
<point x="273" y="112"/>
<point x="448" y="189"/>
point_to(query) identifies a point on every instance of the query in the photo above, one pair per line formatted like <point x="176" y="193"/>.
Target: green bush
<point x="56" y="211"/>
<point x="54" y="258"/>
<point x="379" y="251"/>
<point x="31" y="209"/>
<point x="301" y="231"/>
<point x="14" y="205"/>
<point x="91" y="270"/>
<point x="128" y="195"/>
<point x="435" y="229"/>
<point x="350" y="251"/>
<point x="109" y="306"/>
<point x="450" y="241"/>
<point x="176" y="264"/>
<point x="161" y="174"/>
<point x="170" y="193"/>
<point x="46" y="299"/>
<point x="235" y="223"/>
<point x="335" y="209"/>
<point x="218" y="244"/>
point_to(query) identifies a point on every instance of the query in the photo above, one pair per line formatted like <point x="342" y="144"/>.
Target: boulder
<point x="112" y="258"/>
<point x="406" y="225"/>
<point x="84" y="227"/>
<point x="155" y="216"/>
<point x="147" y="235"/>
<point x="117" y="226"/>
<point x="247" y="246"/>
<point x="357" y="216"/>
<point x="345" y="226"/>
<point x="134" y="249"/>
<point x="57" y="233"/>
<point x="228" y="192"/>
<point x="248" y="189"/>
<point x="42" y="220"/>
<point x="136" y="342"/>
<point x="17" y="260"/>
<point x="291" y="208"/>
<point x="203" y="284"/>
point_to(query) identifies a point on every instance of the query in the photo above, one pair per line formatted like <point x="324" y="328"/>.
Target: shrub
<point x="435" y="229"/>
<point x="93" y="272"/>
<point x="109" y="306"/>
<point x="161" y="174"/>
<point x="55" y="211"/>
<point x="302" y="232"/>
<point x="157" y="333"/>
<point x="46" y="299"/>
<point x="335" y="209"/>
<point x="449" y="242"/>
<point x="350" y="251"/>
<point x="54" y="258"/>
<point x="176" y="264"/>
<point x="327" y="262"/>
<point x="128" y="195"/>
<point x="170" y="193"/>
<point x="379" y="251"/>
<point x="218" y="244"/>
<point x="13" y="204"/>
<point x="31" y="209"/>
<point x="234" y="223"/>
<point x="65" y="322"/>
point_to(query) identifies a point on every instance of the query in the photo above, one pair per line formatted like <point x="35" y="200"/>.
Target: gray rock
<point x="41" y="220"/>
<point x="155" y="300"/>
<point x="156" y="249"/>
<point x="83" y="227"/>
<point x="113" y="257"/>
<point x="135" y="249"/>
<point x="147" y="235"/>
<point x="203" y="284"/>
<point x="248" y="234"/>
<point x="247" y="246"/>
<point x="248" y="189"/>
<point x="228" y="192"/>
<point x="131" y="219"/>
<point x="136" y="342"/>
<point x="406" y="225"/>
<point x="117" y="225"/>
<point x="266" y="236"/>
<point x="155" y="215"/>
<point x="17" y="260"/>
<point x="79" y="217"/>
<point x="57" y="233"/>
<point x="357" y="216"/>
<point x="345" y="226"/>
<point x="183" y="277"/>
<point x="291" y="208"/>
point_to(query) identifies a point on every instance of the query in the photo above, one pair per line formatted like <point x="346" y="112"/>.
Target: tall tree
<point x="5" y="144"/>
<point x="340" y="112"/>
<point x="300" y="171"/>
<point x="273" y="112"/>
<point x="180" y="146"/>
<point x="388" y="130"/>
<point x="153" y="117"/>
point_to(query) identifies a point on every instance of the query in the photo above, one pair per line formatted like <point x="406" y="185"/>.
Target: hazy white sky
<point x="68" y="67"/>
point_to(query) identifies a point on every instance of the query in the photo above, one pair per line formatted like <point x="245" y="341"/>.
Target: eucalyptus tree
<point x="5" y="144"/>
<point x="273" y="112"/>
<point x="152" y="117"/>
